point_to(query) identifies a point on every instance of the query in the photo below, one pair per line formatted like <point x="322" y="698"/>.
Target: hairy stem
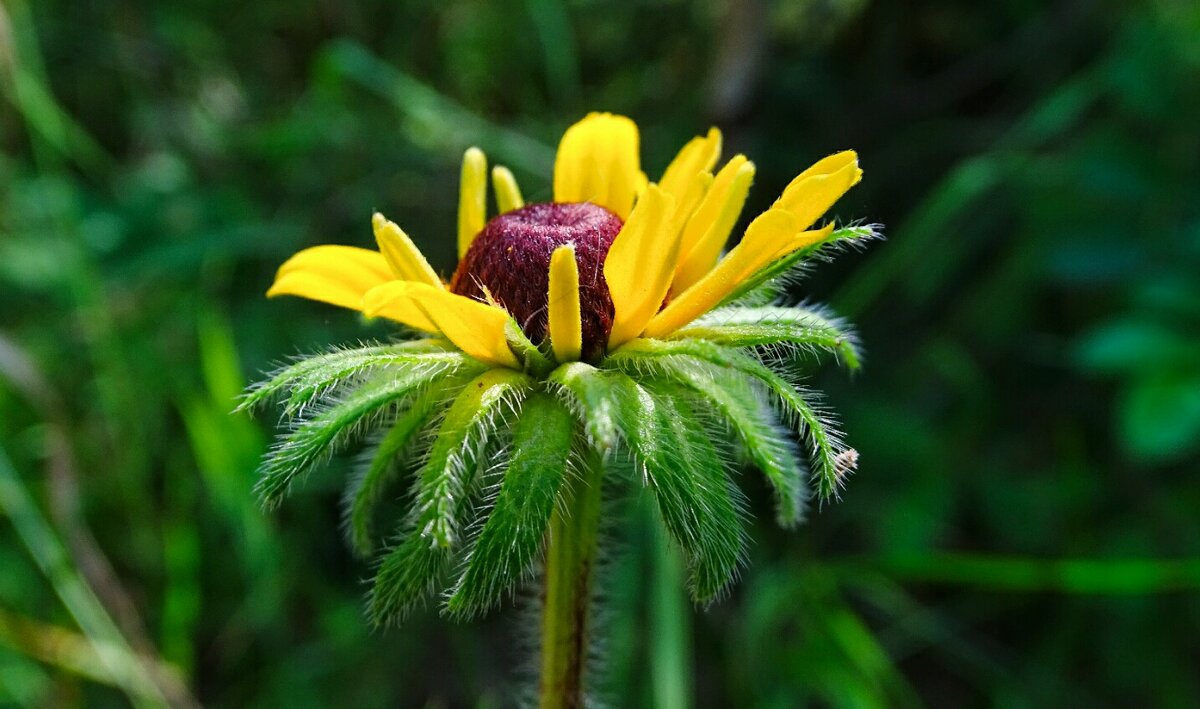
<point x="570" y="558"/>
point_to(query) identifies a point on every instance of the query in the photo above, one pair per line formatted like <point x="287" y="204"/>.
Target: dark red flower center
<point x="511" y="259"/>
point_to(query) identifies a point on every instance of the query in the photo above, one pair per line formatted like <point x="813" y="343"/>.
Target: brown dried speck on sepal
<point x="510" y="259"/>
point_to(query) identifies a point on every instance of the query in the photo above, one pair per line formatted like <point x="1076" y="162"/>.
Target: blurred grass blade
<point x="23" y="81"/>
<point x="552" y="23"/>
<point x="110" y="646"/>
<point x="435" y="114"/>
<point x="67" y="650"/>
<point x="1116" y="577"/>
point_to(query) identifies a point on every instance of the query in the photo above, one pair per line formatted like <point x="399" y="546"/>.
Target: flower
<point x="598" y="341"/>
<point x="638" y="244"/>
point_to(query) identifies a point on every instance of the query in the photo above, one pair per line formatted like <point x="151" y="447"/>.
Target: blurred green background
<point x="1023" y="530"/>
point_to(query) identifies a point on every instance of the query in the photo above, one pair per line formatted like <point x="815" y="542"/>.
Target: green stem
<point x="570" y="557"/>
<point x="669" y="622"/>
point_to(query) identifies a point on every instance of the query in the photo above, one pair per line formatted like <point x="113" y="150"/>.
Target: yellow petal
<point x="474" y="327"/>
<point x="472" y="198"/>
<point x="405" y="259"/>
<point x="699" y="155"/>
<point x="598" y="162"/>
<point x="338" y="275"/>
<point x="815" y="190"/>
<point x="687" y="202"/>
<point x="707" y="231"/>
<point x="640" y="264"/>
<point x="508" y="194"/>
<point x="775" y="233"/>
<point x="402" y="310"/>
<point x="566" y="322"/>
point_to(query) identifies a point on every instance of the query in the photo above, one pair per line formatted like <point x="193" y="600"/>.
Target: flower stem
<point x="570" y="557"/>
<point x="670" y="644"/>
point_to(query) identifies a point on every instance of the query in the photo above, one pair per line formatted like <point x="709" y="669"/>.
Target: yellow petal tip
<point x="563" y="311"/>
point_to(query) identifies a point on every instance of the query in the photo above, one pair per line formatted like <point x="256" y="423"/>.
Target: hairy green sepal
<point x="512" y="537"/>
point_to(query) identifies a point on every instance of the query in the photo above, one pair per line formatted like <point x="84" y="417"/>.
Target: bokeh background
<point x="1023" y="530"/>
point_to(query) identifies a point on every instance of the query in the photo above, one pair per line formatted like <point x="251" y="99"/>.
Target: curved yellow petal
<point x="565" y="320"/>
<point x="598" y="161"/>
<point x="402" y="255"/>
<point x="402" y="310"/>
<point x="775" y="233"/>
<point x="640" y="264"/>
<point x="472" y="198"/>
<point x="815" y="190"/>
<point x="687" y="202"/>
<point x="699" y="155"/>
<point x="707" y="231"/>
<point x="508" y="194"/>
<point x="338" y="275"/>
<point x="474" y="327"/>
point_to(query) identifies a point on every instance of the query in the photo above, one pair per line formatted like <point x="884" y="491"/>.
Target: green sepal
<point x="315" y="437"/>
<point x="693" y="489"/>
<point x="806" y="328"/>
<point x="365" y="493"/>
<point x="412" y="571"/>
<point x="470" y="421"/>
<point x="591" y="395"/>
<point x="744" y="408"/>
<point x="513" y="536"/>
<point x="532" y="358"/>
<point x="829" y="458"/>
<point x="413" y="568"/>
<point x="678" y="463"/>
<point x="310" y="378"/>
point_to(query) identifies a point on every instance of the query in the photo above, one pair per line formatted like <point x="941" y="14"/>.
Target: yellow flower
<point x="614" y="258"/>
